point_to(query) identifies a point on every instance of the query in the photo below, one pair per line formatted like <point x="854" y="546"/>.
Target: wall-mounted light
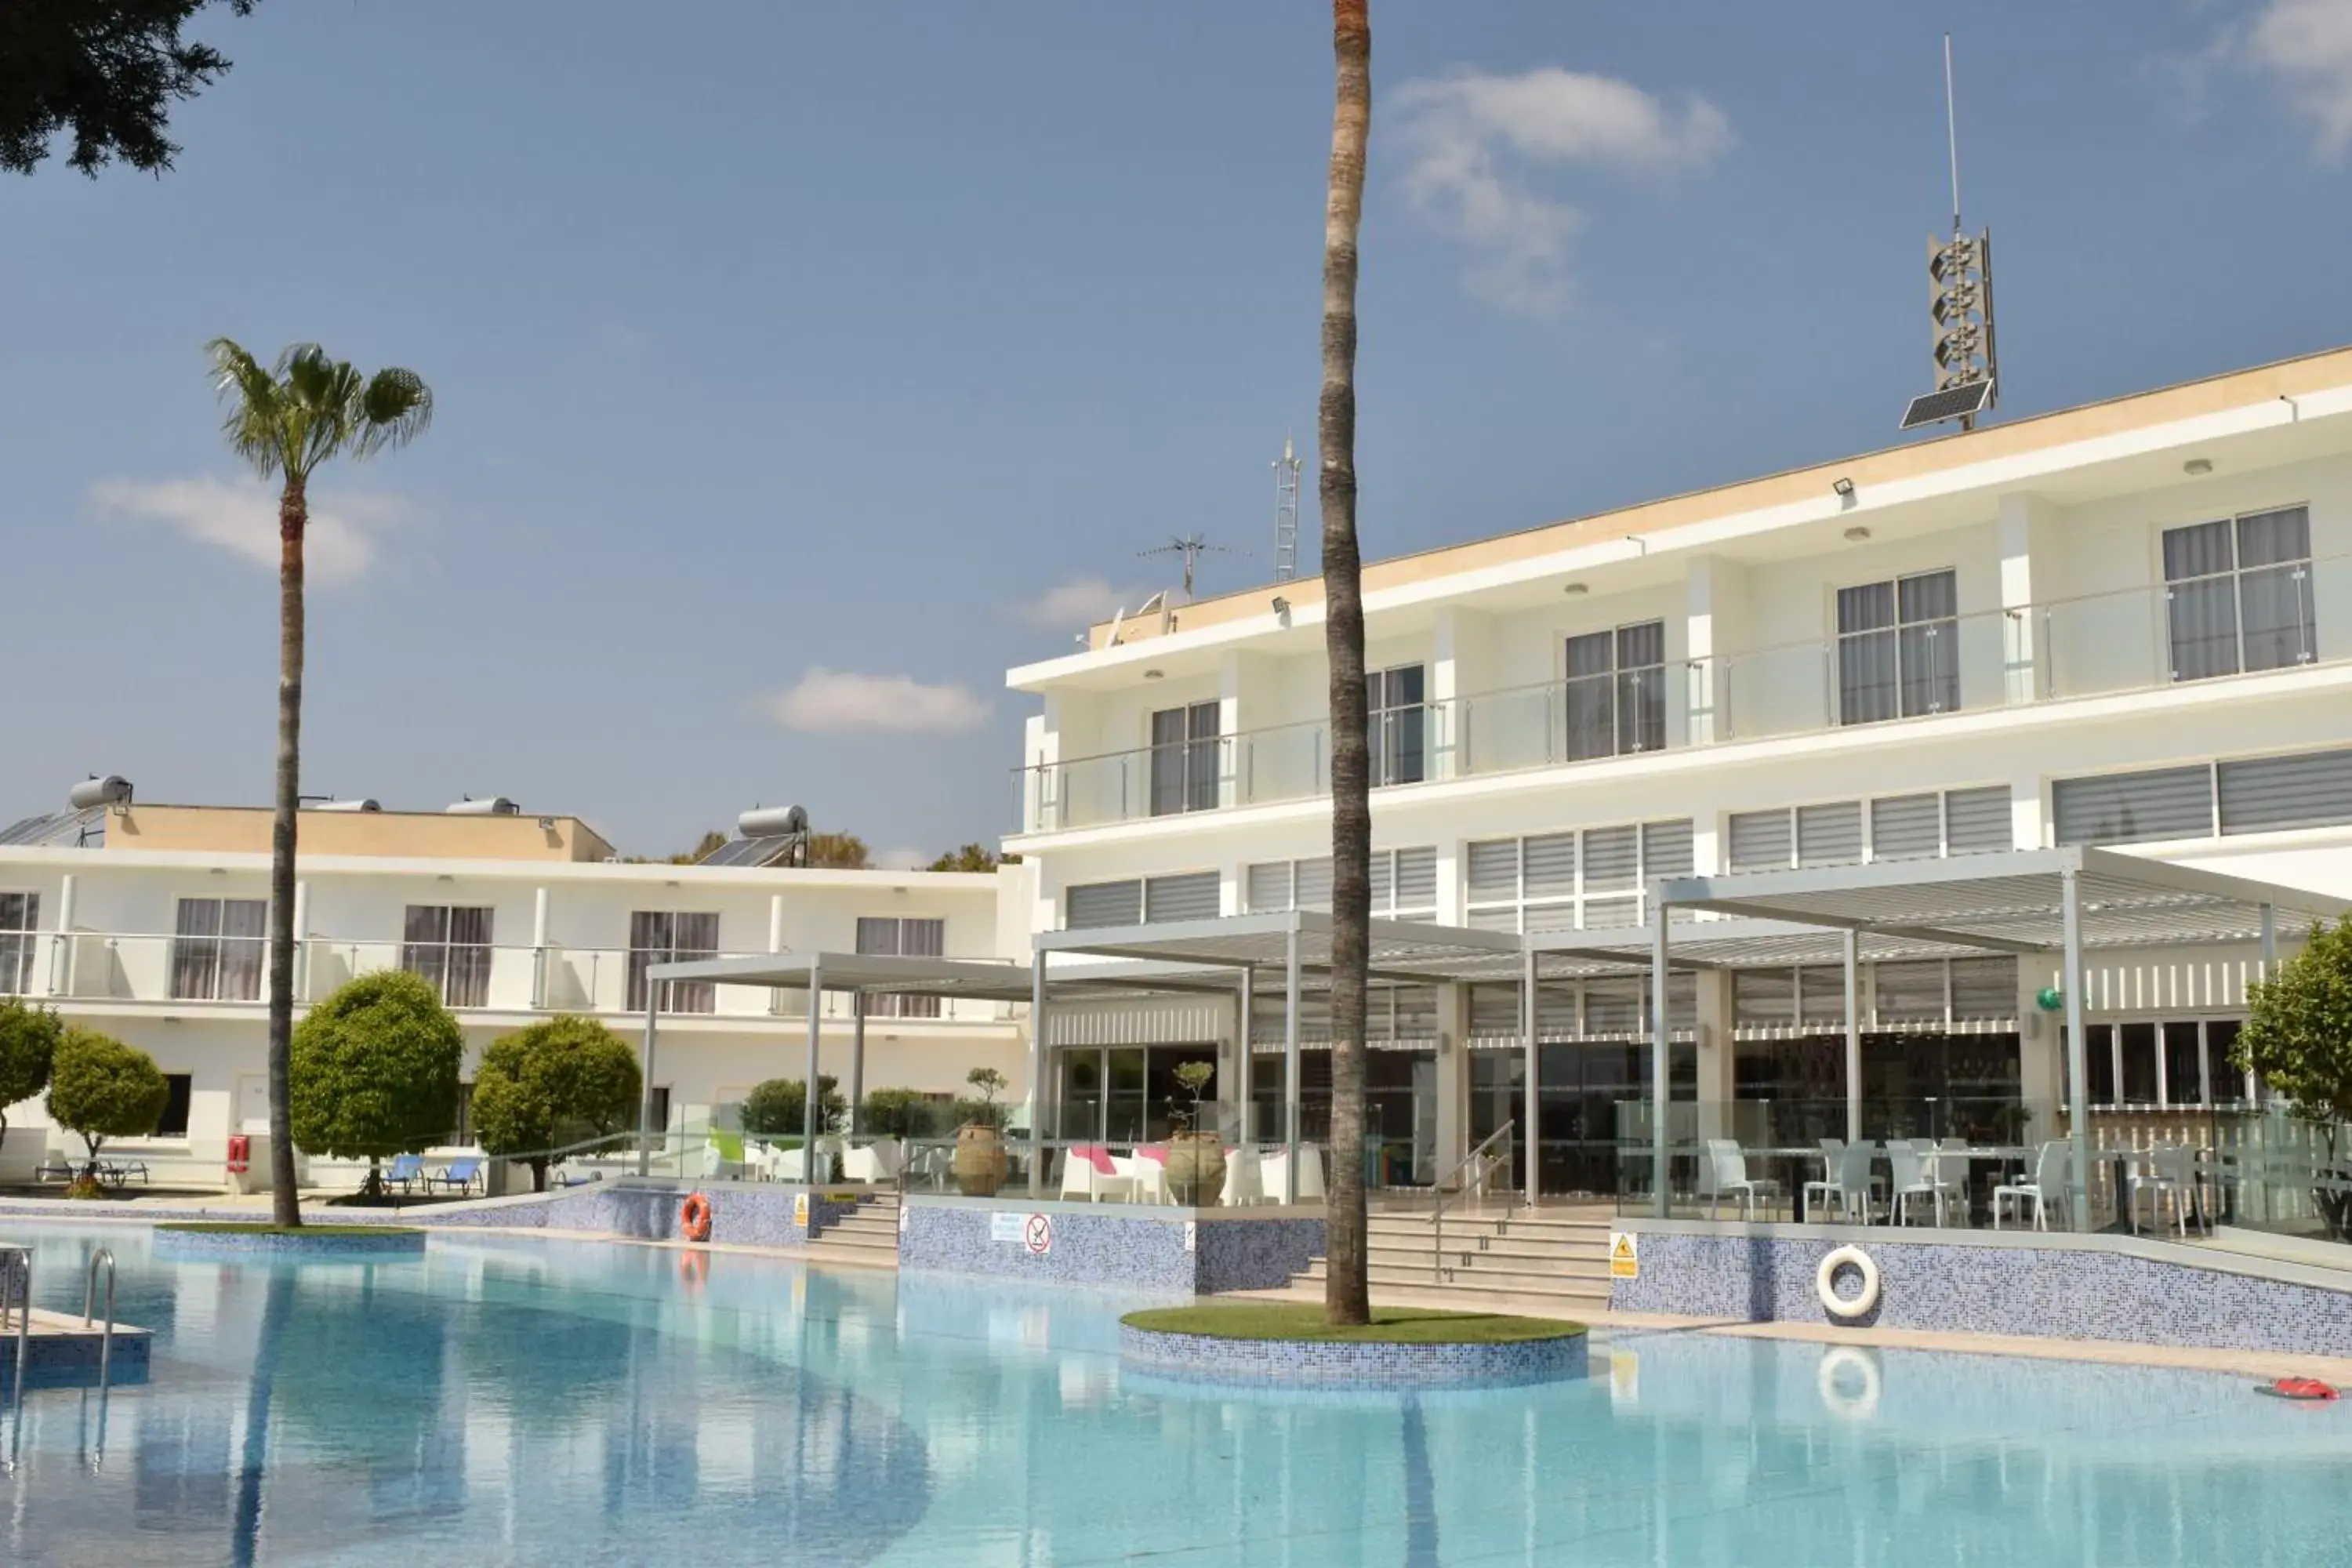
<point x="1153" y="674"/>
<point x="1281" y="605"/>
<point x="1843" y="486"/>
<point x="1856" y="534"/>
<point x="547" y="825"/>
<point x="2198" y="466"/>
<point x="1575" y="590"/>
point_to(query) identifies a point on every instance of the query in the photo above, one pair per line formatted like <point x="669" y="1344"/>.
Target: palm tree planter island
<point x="1294" y="1344"/>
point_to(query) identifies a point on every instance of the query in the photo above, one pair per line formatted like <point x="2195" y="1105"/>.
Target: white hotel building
<point x="2129" y="624"/>
<point x="147" y="922"/>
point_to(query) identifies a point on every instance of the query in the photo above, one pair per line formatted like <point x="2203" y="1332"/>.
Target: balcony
<point x="226" y="974"/>
<point x="2141" y="639"/>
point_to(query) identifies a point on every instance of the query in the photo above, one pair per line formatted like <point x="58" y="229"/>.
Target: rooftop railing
<point x="2227" y="626"/>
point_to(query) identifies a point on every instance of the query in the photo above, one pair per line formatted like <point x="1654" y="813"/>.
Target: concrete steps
<point x="869" y="1236"/>
<point x="1544" y="1261"/>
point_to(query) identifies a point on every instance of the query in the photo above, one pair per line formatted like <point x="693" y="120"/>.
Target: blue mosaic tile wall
<point x="1114" y="1247"/>
<point x="1197" y="1358"/>
<point x="2065" y="1292"/>
<point x="171" y="1243"/>
<point x="51" y="1361"/>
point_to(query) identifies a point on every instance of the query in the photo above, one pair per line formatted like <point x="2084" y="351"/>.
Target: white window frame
<point x="893" y="1005"/>
<point x="444" y="976"/>
<point x="1839" y="637"/>
<point x="695" y="996"/>
<point x="25" y="940"/>
<point x="183" y="949"/>
<point x="1585" y="896"/>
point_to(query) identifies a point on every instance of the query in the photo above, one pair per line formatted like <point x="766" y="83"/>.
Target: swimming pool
<point x="534" y="1400"/>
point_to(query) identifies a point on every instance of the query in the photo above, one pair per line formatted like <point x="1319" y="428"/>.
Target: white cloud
<point x="1079" y="602"/>
<point x="837" y="699"/>
<point x="340" y="543"/>
<point x="2308" y="46"/>
<point x="1471" y="141"/>
<point x="903" y="859"/>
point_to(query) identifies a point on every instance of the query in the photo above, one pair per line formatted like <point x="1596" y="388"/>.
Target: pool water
<point x="529" y="1401"/>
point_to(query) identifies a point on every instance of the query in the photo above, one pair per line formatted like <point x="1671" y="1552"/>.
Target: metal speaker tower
<point x="1286" y="513"/>
<point x="1959" y="304"/>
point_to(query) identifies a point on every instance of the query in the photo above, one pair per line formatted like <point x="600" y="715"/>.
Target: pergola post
<point x="2078" y="1070"/>
<point x="1290" y="1075"/>
<point x="1036" y="1073"/>
<point x="809" y="1101"/>
<point x="646" y="1085"/>
<point x="1853" y="1038"/>
<point x="1660" y="1085"/>
<point x="857" y="1065"/>
<point x="1243" y="1062"/>
<point x="1529" y="1074"/>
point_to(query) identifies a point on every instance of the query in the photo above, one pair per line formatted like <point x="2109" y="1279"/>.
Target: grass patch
<point x="1390" y="1325"/>
<point x="236" y="1227"/>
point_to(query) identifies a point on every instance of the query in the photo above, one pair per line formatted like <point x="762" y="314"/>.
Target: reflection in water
<point x="531" y="1401"/>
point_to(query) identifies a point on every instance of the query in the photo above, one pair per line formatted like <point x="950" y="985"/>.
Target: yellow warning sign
<point x="1625" y="1255"/>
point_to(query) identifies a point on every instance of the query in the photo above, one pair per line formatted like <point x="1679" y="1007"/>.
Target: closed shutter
<point x="1416" y="880"/>
<point x="1542" y="918"/>
<point x="2128" y="808"/>
<point x="1495" y="871"/>
<point x="1104" y="904"/>
<point x="1502" y="917"/>
<point x="1681" y="1001"/>
<point x="1984" y="989"/>
<point x="1414" y="1012"/>
<point x="1550" y="862"/>
<point x="1666" y="849"/>
<point x="1601" y="914"/>
<point x="1907" y="826"/>
<point x="1830" y="835"/>
<point x="1381" y="873"/>
<point x="1911" y="992"/>
<point x="2264" y="794"/>
<point x="1613" y="860"/>
<point x="1614" y="1006"/>
<point x="1764" y="998"/>
<point x="1760" y="841"/>
<point x="1495" y="1010"/>
<point x="1975" y="821"/>
<point x="1191" y="897"/>
<point x="1821" y="995"/>
<point x="1556" y="1012"/>
<point x="1269" y="887"/>
<point x="1314" y="883"/>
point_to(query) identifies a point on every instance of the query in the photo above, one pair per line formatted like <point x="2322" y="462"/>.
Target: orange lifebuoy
<point x="694" y="1217"/>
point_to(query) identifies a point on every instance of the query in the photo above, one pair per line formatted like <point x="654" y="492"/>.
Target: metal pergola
<point x="1293" y="942"/>
<point x="2029" y="901"/>
<point x="862" y="974"/>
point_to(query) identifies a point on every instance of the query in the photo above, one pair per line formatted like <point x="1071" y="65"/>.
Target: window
<point x="892" y="936"/>
<point x="1898" y="648"/>
<point x="1617" y="691"/>
<point x="2237" y="593"/>
<point x="1185" y="896"/>
<point x="2131" y="809"/>
<point x="174" y="1121"/>
<point x="1921" y="993"/>
<point x="1184" y="759"/>
<point x="1900" y="828"/>
<point x="450" y="947"/>
<point x="20" y="917"/>
<point x="2270" y="794"/>
<point x="2165" y="1064"/>
<point x="1565" y="881"/>
<point x="216" y="950"/>
<point x="662" y="936"/>
<point x="1397" y="725"/>
<point x="1404" y="884"/>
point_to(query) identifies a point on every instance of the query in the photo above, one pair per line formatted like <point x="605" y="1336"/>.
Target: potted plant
<point x="1196" y="1156"/>
<point x="979" y="1160"/>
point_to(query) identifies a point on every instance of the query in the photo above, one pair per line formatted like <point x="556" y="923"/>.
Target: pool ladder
<point x="16" y="1304"/>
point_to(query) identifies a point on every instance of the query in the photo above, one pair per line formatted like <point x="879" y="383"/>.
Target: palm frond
<point x="395" y="409"/>
<point x="255" y="417"/>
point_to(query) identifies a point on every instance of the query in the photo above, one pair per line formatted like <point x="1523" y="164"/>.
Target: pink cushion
<point x="1098" y="1156"/>
<point x="1155" y="1152"/>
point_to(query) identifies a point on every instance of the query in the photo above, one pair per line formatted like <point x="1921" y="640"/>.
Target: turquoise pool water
<point x="549" y="1402"/>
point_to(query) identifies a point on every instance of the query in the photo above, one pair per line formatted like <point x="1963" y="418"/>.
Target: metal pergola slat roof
<point x="1401" y="951"/>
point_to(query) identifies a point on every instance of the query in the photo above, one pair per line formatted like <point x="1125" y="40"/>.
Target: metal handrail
<point x="1437" y="1208"/>
<point x="23" y="1275"/>
<point x="90" y="1300"/>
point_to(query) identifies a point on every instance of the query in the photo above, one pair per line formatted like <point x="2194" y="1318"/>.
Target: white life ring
<point x="1825" y="1278"/>
<point x="1859" y="1406"/>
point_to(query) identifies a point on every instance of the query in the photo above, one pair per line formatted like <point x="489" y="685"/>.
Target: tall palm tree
<point x="285" y="421"/>
<point x="1347" y="1295"/>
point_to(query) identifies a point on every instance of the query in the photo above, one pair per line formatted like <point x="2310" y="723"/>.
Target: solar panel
<point x="60" y="828"/>
<point x="752" y="851"/>
<point x="1951" y="403"/>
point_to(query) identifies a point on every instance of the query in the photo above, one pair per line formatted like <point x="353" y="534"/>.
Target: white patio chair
<point x="1854" y="1188"/>
<point x="1832" y="1152"/>
<point x="1723" y="1172"/>
<point x="1243" y="1178"/>
<point x="2049" y="1179"/>
<point x="1916" y="1176"/>
<point x="1146" y="1178"/>
<point x="2171" y="1168"/>
<point x="1311" y="1173"/>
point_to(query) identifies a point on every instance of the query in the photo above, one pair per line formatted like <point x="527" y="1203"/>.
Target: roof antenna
<point x="1959" y="288"/>
<point x="1192" y="547"/>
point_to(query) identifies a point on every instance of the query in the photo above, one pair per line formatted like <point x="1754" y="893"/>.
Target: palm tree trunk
<point x="293" y="516"/>
<point x="1347" y="1295"/>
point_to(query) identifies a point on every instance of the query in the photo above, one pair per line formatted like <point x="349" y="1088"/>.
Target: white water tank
<point x="368" y="803"/>
<point x="773" y="821"/>
<point x="496" y="805"/>
<point x="112" y="790"/>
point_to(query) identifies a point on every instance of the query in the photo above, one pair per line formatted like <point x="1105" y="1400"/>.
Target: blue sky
<point x="800" y="367"/>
